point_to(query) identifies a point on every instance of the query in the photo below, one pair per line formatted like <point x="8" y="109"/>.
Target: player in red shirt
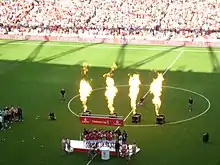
<point x="96" y="137"/>
<point x="100" y="135"/>
<point x="108" y="136"/>
<point x="111" y="141"/>
<point x="123" y="150"/>
<point x="104" y="135"/>
<point x="92" y="137"/>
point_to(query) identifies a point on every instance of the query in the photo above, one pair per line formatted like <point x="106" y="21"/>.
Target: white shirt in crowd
<point x="1" y="119"/>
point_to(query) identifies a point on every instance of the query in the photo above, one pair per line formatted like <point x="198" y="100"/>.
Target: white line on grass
<point x="91" y="159"/>
<point x="151" y="125"/>
<point x="184" y="120"/>
<point x="168" y="68"/>
<point x="76" y="45"/>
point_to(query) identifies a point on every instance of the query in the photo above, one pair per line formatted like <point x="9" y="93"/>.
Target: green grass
<point x="32" y="73"/>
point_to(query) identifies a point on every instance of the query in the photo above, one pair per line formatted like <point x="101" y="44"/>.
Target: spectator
<point x="154" y="19"/>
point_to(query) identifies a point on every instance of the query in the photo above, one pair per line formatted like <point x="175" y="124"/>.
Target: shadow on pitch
<point x="151" y="58"/>
<point x="35" y="52"/>
<point x="15" y="65"/>
<point x="121" y="56"/>
<point x="62" y="54"/>
<point x="10" y="42"/>
<point x="214" y="60"/>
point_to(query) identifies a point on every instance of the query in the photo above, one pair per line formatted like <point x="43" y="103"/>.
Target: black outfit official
<point x="124" y="136"/>
<point x="20" y="114"/>
<point x="190" y="104"/>
<point x="63" y="92"/>
<point x="117" y="148"/>
<point x="141" y="102"/>
<point x="206" y="137"/>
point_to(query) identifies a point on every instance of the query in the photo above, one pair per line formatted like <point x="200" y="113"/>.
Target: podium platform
<point x="80" y="146"/>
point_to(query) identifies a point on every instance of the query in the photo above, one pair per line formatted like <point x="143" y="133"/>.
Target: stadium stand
<point x="156" y="19"/>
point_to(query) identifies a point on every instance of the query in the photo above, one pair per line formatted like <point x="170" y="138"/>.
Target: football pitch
<point x="32" y="74"/>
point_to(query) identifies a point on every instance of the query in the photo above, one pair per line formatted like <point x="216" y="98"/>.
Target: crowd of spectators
<point x="10" y="115"/>
<point x="160" y="19"/>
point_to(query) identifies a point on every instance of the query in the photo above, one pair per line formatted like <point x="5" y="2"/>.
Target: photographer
<point x="51" y="116"/>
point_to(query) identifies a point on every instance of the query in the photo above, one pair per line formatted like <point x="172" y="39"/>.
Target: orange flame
<point x="134" y="83"/>
<point x="111" y="89"/>
<point x="85" y="88"/>
<point x="156" y="90"/>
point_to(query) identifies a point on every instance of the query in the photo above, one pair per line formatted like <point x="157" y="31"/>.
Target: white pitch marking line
<point x="70" y="103"/>
<point x="91" y="159"/>
<point x="75" y="114"/>
<point x="113" y="47"/>
<point x="184" y="120"/>
<point x="153" y="125"/>
<point x="168" y="68"/>
<point x="179" y="55"/>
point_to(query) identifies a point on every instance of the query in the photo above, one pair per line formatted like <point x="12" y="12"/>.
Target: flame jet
<point x="85" y="88"/>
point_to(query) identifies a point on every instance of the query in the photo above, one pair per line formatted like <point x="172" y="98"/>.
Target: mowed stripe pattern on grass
<point x="35" y="87"/>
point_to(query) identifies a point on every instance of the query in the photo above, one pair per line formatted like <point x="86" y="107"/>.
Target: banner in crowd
<point x="112" y="40"/>
<point x="106" y="121"/>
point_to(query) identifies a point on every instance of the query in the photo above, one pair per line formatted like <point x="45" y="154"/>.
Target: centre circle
<point x="151" y="125"/>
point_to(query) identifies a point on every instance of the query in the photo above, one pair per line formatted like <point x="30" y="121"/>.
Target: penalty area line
<point x="166" y="70"/>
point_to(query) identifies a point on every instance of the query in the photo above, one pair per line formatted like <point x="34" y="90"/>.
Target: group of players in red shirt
<point x="99" y="138"/>
<point x="116" y="140"/>
<point x="99" y="135"/>
<point x="95" y="139"/>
